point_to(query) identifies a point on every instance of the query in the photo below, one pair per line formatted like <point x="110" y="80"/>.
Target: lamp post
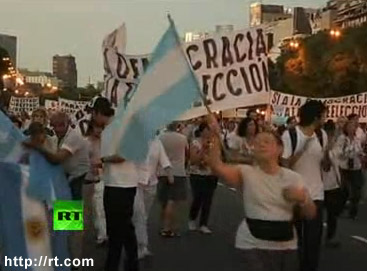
<point x="294" y="45"/>
<point x="335" y="33"/>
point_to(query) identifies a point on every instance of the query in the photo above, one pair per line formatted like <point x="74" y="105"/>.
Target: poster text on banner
<point x="232" y="70"/>
<point x="336" y="107"/>
<point x="23" y="104"/>
<point x="230" y="67"/>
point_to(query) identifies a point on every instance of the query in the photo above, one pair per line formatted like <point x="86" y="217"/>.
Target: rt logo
<point x="68" y="216"/>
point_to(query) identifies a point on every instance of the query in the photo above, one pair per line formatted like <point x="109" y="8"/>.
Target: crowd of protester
<point x="288" y="175"/>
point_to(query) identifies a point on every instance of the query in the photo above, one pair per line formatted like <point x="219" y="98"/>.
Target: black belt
<point x="91" y="182"/>
<point x="280" y="231"/>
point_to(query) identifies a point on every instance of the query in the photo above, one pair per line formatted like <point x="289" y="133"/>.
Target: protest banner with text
<point x="23" y="104"/>
<point x="231" y="68"/>
<point x="336" y="107"/>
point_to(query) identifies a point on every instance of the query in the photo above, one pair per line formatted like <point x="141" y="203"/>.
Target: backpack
<point x="293" y="137"/>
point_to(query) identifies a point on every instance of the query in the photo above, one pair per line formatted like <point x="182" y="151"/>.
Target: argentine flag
<point x="167" y="89"/>
<point x="10" y="139"/>
<point x="47" y="182"/>
<point x="24" y="227"/>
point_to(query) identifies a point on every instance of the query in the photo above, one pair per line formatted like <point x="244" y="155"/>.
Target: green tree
<point x="323" y="66"/>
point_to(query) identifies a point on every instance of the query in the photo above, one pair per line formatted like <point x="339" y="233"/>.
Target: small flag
<point x="166" y="90"/>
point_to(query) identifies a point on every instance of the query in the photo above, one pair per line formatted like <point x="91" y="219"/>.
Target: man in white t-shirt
<point x="304" y="151"/>
<point x="171" y="194"/>
<point x="147" y="187"/>
<point x="121" y="178"/>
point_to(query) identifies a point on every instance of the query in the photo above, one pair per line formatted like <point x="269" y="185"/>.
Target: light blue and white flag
<point x="47" y="182"/>
<point x="24" y="227"/>
<point x="10" y="139"/>
<point x="166" y="90"/>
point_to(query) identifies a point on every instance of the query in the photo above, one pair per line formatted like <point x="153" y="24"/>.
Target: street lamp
<point x="334" y="33"/>
<point x="19" y="81"/>
<point x="26" y="93"/>
<point x="294" y="44"/>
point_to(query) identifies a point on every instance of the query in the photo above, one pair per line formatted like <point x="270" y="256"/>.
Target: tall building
<point x="9" y="43"/>
<point x="260" y="14"/>
<point x="336" y="3"/>
<point x="64" y="68"/>
<point x="351" y="14"/>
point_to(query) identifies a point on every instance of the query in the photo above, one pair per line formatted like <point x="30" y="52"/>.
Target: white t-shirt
<point x="124" y="175"/>
<point x="263" y="199"/>
<point x="332" y="178"/>
<point x="234" y="141"/>
<point x="361" y="135"/>
<point x="196" y="169"/>
<point x="347" y="149"/>
<point x="78" y="163"/>
<point x="309" y="165"/>
<point x="175" y="145"/>
<point x="156" y="159"/>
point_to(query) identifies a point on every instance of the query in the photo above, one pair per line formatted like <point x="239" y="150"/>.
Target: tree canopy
<point x="324" y="66"/>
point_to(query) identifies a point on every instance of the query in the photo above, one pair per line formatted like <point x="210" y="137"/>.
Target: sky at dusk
<point x="48" y="27"/>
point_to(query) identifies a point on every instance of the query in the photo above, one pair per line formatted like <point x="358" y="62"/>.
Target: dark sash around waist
<point x="280" y="231"/>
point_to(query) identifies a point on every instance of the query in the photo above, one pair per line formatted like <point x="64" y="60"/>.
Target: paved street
<point x="216" y="253"/>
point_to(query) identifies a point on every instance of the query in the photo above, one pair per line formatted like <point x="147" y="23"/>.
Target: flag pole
<point x="205" y="102"/>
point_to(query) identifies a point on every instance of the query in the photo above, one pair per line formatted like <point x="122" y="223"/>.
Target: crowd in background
<point x="325" y="161"/>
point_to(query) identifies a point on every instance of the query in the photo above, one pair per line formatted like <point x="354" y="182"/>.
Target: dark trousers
<point x="203" y="188"/>
<point x="352" y="183"/>
<point x="119" y="204"/>
<point x="269" y="260"/>
<point x="334" y="204"/>
<point x="76" y="187"/>
<point x="309" y="240"/>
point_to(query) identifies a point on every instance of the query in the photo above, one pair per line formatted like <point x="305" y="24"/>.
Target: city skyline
<point x="48" y="27"/>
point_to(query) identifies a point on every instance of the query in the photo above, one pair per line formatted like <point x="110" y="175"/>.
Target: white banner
<point x="71" y="106"/>
<point x="20" y="104"/>
<point x="117" y="90"/>
<point x="337" y="107"/>
<point x="231" y="68"/>
<point x="75" y="109"/>
<point x="51" y="105"/>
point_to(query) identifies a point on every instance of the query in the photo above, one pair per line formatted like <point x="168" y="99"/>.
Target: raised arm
<point x="53" y="157"/>
<point x="230" y="174"/>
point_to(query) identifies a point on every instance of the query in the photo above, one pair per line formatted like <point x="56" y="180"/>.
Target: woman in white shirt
<point x="243" y="152"/>
<point x="267" y="235"/>
<point x="203" y="182"/>
<point x="350" y="152"/>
